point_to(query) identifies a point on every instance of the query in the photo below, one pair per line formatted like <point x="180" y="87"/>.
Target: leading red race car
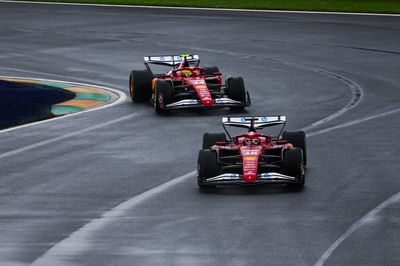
<point x="186" y="85"/>
<point x="252" y="157"/>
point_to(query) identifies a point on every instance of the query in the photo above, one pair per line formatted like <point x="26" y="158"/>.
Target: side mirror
<point x="220" y="143"/>
<point x="281" y="141"/>
<point x="217" y="73"/>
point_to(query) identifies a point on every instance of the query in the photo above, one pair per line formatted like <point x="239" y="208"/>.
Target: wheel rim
<point x="131" y="88"/>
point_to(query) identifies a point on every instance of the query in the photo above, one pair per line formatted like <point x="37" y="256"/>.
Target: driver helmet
<point x="186" y="73"/>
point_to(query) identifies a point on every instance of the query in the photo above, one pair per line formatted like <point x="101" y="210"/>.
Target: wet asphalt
<point x="305" y="66"/>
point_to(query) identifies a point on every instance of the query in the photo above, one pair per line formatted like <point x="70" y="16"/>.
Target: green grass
<point x="368" y="6"/>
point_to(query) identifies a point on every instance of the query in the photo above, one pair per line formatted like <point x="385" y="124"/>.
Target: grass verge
<point x="364" y="6"/>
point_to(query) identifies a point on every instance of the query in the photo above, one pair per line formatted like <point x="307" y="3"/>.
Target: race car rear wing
<point x="254" y="122"/>
<point x="171" y="60"/>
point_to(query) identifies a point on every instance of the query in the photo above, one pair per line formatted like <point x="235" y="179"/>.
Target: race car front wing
<point x="264" y="178"/>
<point x="191" y="103"/>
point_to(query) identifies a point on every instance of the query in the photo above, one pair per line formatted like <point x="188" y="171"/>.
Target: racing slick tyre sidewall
<point x="236" y="91"/>
<point x="293" y="166"/>
<point x="297" y="139"/>
<point x="163" y="88"/>
<point x="140" y="85"/>
<point x="211" y="70"/>
<point x="207" y="166"/>
<point x="210" y="139"/>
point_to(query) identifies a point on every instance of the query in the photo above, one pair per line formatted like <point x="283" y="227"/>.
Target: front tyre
<point x="207" y="166"/>
<point x="235" y="90"/>
<point x="297" y="139"/>
<point x="210" y="139"/>
<point x="293" y="166"/>
<point x="140" y="85"/>
<point x="163" y="93"/>
<point x="211" y="70"/>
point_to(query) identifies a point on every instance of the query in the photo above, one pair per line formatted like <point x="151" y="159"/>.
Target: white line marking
<point x="365" y="219"/>
<point x="41" y="74"/>
<point x="353" y="122"/>
<point x="45" y="142"/>
<point x="122" y="98"/>
<point x="78" y="241"/>
<point x="357" y="93"/>
<point x="206" y="8"/>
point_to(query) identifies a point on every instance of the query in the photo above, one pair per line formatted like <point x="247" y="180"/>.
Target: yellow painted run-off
<point x="86" y="97"/>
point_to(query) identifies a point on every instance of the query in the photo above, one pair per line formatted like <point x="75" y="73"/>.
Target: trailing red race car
<point x="186" y="85"/>
<point x="252" y="157"/>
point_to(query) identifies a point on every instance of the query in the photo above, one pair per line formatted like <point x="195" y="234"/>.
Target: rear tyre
<point x="236" y="91"/>
<point x="297" y="139"/>
<point x="207" y="166"/>
<point x="140" y="85"/>
<point x="211" y="70"/>
<point x="210" y="139"/>
<point x="293" y="166"/>
<point x="163" y="95"/>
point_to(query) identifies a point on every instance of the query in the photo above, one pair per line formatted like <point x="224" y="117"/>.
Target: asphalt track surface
<point x="60" y="179"/>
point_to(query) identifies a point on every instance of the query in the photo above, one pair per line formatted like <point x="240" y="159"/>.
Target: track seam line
<point x="208" y="9"/>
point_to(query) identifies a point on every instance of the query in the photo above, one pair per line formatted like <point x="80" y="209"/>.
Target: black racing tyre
<point x="163" y="90"/>
<point x="207" y="166"/>
<point x="293" y="166"/>
<point x="210" y="139"/>
<point x="211" y="70"/>
<point x="297" y="139"/>
<point x="236" y="91"/>
<point x="140" y="85"/>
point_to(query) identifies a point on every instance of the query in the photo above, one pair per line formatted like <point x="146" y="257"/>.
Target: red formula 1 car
<point x="186" y="85"/>
<point x="252" y="158"/>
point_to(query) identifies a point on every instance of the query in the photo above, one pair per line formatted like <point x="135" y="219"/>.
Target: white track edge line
<point x="65" y="136"/>
<point x="117" y="211"/>
<point x="363" y="220"/>
<point x="206" y="8"/>
<point x="122" y="98"/>
<point x="353" y="122"/>
<point x="77" y="241"/>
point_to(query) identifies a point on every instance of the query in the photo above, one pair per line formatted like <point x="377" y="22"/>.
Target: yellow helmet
<point x="186" y="73"/>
